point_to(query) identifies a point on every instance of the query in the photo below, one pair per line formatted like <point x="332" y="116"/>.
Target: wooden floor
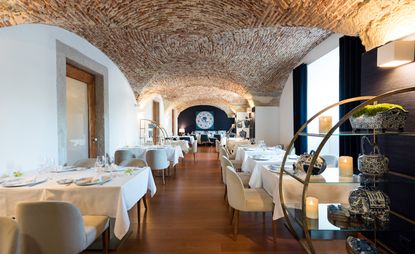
<point x="189" y="215"/>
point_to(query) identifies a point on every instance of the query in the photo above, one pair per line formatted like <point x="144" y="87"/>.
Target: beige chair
<point x="122" y="155"/>
<point x="246" y="200"/>
<point x="133" y="163"/>
<point x="217" y="146"/>
<point x="244" y="176"/>
<point x="51" y="227"/>
<point x="157" y="160"/>
<point x="86" y="163"/>
<point x="9" y="236"/>
<point x="194" y="150"/>
<point x="236" y="163"/>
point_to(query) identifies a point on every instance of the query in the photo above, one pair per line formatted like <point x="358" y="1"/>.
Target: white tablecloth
<point x="112" y="199"/>
<point x="254" y="166"/>
<point x="173" y="152"/>
<point x="231" y="143"/>
<point x="192" y="139"/>
<point x="293" y="189"/>
<point x="184" y="145"/>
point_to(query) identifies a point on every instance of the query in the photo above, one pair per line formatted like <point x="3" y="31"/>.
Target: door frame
<point x="89" y="79"/>
<point x="66" y="54"/>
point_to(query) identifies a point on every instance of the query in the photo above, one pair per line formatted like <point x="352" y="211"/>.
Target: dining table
<point x="125" y="187"/>
<point x="183" y="144"/>
<point x="321" y="188"/>
<point x="174" y="152"/>
<point x="254" y="159"/>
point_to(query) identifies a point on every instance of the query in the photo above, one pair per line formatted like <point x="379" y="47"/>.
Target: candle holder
<point x="311" y="207"/>
<point x="324" y="124"/>
<point x="346" y="166"/>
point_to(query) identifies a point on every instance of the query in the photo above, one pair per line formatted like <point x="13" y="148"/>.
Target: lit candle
<point x="324" y="124"/>
<point x="311" y="208"/>
<point x="346" y="166"/>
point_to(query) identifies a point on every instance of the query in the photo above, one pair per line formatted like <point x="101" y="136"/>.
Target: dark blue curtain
<point x="351" y="50"/>
<point x="300" y="105"/>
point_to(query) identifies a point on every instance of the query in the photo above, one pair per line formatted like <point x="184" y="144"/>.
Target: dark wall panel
<point x="187" y="117"/>
<point x="399" y="150"/>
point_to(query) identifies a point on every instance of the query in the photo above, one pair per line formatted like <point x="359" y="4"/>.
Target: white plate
<point x="261" y="158"/>
<point x="292" y="157"/>
<point x="249" y="149"/>
<point x="91" y="181"/>
<point x="65" y="181"/>
<point x="23" y="182"/>
<point x="65" y="169"/>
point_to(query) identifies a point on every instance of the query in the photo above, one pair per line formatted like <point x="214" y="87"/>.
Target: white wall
<point x="286" y="101"/>
<point x="286" y="113"/>
<point x="267" y="125"/>
<point x="28" y="96"/>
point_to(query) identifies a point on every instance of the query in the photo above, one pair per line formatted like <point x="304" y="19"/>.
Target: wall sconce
<point x="395" y="53"/>
<point x="182" y="130"/>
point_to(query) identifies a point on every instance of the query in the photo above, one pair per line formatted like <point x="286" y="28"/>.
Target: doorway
<point x="156" y="119"/>
<point x="80" y="114"/>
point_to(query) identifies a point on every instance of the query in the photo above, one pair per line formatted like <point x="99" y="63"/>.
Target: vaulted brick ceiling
<point x="230" y="52"/>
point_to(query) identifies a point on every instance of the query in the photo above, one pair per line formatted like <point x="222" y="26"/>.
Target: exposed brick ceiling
<point x="233" y="52"/>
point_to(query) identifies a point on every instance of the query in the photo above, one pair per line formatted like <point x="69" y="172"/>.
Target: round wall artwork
<point x="204" y="120"/>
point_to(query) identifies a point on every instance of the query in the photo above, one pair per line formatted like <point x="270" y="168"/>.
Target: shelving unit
<point x="147" y="128"/>
<point x="306" y="230"/>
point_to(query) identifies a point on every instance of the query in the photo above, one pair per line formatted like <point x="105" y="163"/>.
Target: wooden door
<point x="88" y="80"/>
<point x="156" y="118"/>
<point x="173" y="122"/>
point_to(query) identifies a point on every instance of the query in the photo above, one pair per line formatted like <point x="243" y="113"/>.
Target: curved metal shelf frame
<point x="366" y="101"/>
<point x="163" y="131"/>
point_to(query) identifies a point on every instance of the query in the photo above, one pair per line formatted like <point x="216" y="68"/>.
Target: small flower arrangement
<point x="129" y="171"/>
<point x="17" y="173"/>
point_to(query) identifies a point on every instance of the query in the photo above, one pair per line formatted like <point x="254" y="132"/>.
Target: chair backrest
<point x="331" y="160"/>
<point x="185" y="138"/>
<point x="9" y="236"/>
<point x="122" y="155"/>
<point x="217" y="145"/>
<point x="194" y="147"/>
<point x="133" y="163"/>
<point x="235" y="189"/>
<point x="86" y="163"/>
<point x="157" y="159"/>
<point x="51" y="227"/>
<point x="225" y="162"/>
<point x="204" y="137"/>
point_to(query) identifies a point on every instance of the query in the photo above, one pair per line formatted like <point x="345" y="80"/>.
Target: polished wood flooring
<point x="189" y="215"/>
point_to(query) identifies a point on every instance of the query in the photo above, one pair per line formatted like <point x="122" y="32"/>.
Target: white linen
<point x="173" y="152"/>
<point x="254" y="166"/>
<point x="293" y="190"/>
<point x="231" y="143"/>
<point x="184" y="145"/>
<point x="112" y="199"/>
<point x="192" y="139"/>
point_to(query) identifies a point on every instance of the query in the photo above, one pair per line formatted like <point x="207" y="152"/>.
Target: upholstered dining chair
<point x="157" y="160"/>
<point x="217" y="146"/>
<point x="244" y="176"/>
<point x="331" y="160"/>
<point x="50" y="227"/>
<point x="122" y="155"/>
<point x="194" y="150"/>
<point x="86" y="163"/>
<point x="9" y="236"/>
<point x="204" y="139"/>
<point x="246" y="200"/>
<point x="236" y="163"/>
<point x="133" y="163"/>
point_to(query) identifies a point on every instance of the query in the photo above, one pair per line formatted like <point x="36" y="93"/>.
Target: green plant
<point x="371" y="110"/>
<point x="17" y="173"/>
<point x="129" y="171"/>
